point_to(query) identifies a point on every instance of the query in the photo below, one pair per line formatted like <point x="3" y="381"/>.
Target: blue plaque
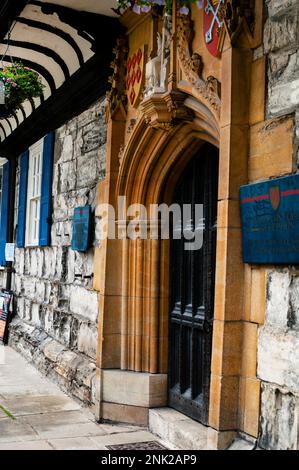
<point x="270" y="221"/>
<point x="81" y="228"/>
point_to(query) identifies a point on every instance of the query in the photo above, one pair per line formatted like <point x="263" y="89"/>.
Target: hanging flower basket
<point x="144" y="6"/>
<point x="17" y="84"/>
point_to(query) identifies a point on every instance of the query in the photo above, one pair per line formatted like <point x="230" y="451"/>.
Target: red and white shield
<point x="274" y="194"/>
<point x="212" y="24"/>
<point x="135" y="73"/>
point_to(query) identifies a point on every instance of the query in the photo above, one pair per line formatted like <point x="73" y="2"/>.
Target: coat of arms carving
<point x="274" y="194"/>
<point x="135" y="75"/>
<point x="213" y="24"/>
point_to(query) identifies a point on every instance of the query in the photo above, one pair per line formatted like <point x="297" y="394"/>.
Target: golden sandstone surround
<point x="155" y="141"/>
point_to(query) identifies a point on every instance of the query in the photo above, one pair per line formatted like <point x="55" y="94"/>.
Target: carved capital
<point x="163" y="111"/>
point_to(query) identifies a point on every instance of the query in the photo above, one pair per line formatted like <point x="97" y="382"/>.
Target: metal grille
<point x="150" y="445"/>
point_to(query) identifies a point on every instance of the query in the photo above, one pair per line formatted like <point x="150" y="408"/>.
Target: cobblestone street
<point x="47" y="419"/>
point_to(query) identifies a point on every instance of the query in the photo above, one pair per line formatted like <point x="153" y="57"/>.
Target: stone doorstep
<point x="176" y="430"/>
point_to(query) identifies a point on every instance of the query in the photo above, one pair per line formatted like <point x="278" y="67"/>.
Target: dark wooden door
<point x="192" y="291"/>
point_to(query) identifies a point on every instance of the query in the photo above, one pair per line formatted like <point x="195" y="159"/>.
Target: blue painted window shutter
<point x="22" y="200"/>
<point x="4" y="212"/>
<point x="46" y="194"/>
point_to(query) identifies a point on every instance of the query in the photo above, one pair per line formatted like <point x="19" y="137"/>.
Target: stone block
<point x="87" y="170"/>
<point x="258" y="295"/>
<point x="84" y="302"/>
<point x="67" y="149"/>
<point x="29" y="287"/>
<point x="52" y="350"/>
<point x="125" y="413"/>
<point x="86" y="371"/>
<point x="177" y="429"/>
<point x="66" y="364"/>
<point x="277" y="8"/>
<point x="280" y="32"/>
<point x="35" y="314"/>
<point x="21" y="307"/>
<point x="88" y="340"/>
<point x="278" y="357"/>
<point x="68" y="176"/>
<point x="283" y="98"/>
<point x="279" y="423"/>
<point x="249" y="349"/>
<point x="271" y="149"/>
<point x="258" y="88"/>
<point x="278" y="299"/>
<point x="249" y="406"/>
<point x="133" y="388"/>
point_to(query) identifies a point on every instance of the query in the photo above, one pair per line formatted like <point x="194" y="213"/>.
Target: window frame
<point x="34" y="192"/>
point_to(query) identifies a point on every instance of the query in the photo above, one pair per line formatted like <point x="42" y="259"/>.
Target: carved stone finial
<point x="117" y="94"/>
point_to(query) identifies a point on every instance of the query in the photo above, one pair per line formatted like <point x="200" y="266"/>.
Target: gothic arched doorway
<point x="192" y="285"/>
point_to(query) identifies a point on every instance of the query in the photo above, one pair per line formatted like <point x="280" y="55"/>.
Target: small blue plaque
<point x="270" y="221"/>
<point x="81" y="228"/>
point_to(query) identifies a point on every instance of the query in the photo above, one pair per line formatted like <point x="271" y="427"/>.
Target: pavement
<point x="46" y="418"/>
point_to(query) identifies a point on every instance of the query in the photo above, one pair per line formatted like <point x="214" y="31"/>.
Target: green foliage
<point x="20" y="84"/>
<point x="6" y="412"/>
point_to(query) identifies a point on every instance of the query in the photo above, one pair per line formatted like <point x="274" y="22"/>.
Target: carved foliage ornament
<point x="118" y="94"/>
<point x="192" y="64"/>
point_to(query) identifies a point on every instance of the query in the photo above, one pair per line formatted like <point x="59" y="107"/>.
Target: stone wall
<point x="56" y="307"/>
<point x="278" y="342"/>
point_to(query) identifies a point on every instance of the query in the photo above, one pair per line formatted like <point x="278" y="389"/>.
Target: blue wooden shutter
<point x="22" y="199"/>
<point x="46" y="195"/>
<point x="4" y="212"/>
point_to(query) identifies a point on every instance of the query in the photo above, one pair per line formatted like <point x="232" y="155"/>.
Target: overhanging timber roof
<point x="69" y="43"/>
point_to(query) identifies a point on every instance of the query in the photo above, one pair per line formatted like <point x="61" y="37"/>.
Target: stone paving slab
<point x="25" y="405"/>
<point x="14" y="431"/>
<point x="75" y="443"/>
<point x="29" y="445"/>
<point x="47" y="419"/>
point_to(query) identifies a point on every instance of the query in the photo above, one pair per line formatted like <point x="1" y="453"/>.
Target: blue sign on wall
<point x="270" y="221"/>
<point x="81" y="228"/>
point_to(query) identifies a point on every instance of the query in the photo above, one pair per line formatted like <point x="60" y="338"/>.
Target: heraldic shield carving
<point x="135" y="75"/>
<point x="274" y="194"/>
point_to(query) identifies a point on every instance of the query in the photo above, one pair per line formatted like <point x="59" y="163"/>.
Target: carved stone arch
<point x="151" y="163"/>
<point x="150" y="151"/>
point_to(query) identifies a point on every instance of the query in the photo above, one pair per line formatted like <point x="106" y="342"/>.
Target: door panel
<point x="192" y="291"/>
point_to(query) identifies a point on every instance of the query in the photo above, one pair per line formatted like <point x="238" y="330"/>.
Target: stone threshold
<point x="180" y="432"/>
<point x="176" y="430"/>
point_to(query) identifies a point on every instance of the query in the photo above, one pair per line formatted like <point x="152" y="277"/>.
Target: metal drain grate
<point x="150" y="445"/>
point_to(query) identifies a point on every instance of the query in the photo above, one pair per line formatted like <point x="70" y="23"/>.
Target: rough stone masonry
<point x="55" y="326"/>
<point x="278" y="345"/>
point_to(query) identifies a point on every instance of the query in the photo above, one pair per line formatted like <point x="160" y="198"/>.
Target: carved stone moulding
<point x="163" y="111"/>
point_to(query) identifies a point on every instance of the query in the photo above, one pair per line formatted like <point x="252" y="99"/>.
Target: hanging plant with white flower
<point x="144" y="6"/>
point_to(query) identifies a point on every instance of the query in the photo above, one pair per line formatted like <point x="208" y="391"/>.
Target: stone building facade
<point x="56" y="307"/>
<point x="104" y="324"/>
<point x="278" y="336"/>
